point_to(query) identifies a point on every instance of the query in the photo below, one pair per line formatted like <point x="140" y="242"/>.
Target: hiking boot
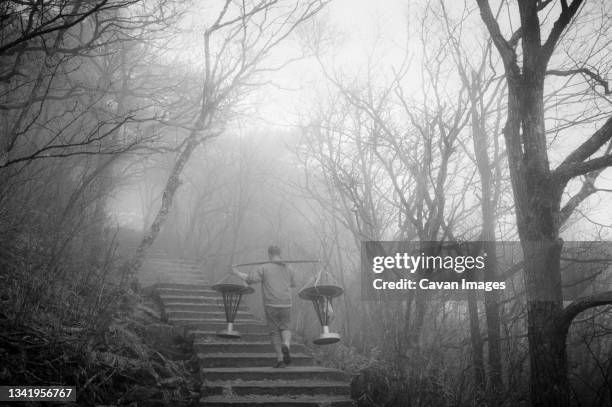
<point x="286" y="355"/>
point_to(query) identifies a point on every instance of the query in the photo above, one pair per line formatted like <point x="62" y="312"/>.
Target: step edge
<point x="250" y="355"/>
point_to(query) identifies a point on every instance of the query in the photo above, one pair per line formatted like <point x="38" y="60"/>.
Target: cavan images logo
<point x="400" y="266"/>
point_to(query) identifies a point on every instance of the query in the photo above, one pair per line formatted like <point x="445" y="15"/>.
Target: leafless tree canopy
<point x="203" y="131"/>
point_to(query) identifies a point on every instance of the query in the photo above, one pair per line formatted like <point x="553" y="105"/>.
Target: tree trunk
<point x="537" y="193"/>
<point x="538" y="204"/>
<point x="487" y="204"/>
<point x="537" y="198"/>
<point x="493" y="326"/>
<point x="547" y="352"/>
<point x="491" y="298"/>
<point x="477" y="345"/>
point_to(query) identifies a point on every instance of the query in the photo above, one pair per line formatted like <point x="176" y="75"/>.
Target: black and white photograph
<point x="306" y="203"/>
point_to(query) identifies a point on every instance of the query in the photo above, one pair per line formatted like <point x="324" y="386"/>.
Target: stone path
<point x="238" y="372"/>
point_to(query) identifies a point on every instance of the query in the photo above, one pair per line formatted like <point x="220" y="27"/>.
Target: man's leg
<point x="276" y="343"/>
<point x="286" y="337"/>
<point x="275" y="334"/>
<point x="285" y="323"/>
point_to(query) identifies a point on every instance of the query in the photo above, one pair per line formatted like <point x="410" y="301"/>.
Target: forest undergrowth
<point x="78" y="324"/>
<point x="137" y="359"/>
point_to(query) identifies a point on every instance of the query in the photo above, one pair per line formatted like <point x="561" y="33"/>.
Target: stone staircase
<point x="238" y="372"/>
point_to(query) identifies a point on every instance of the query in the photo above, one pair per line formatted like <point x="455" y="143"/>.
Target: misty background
<point x="206" y="131"/>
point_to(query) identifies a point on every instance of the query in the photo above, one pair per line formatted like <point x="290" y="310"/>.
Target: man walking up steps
<point x="277" y="279"/>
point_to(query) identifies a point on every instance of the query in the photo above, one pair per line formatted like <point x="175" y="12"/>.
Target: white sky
<point x="361" y="26"/>
<point x="361" y="17"/>
<point x="363" y="30"/>
<point x="367" y="25"/>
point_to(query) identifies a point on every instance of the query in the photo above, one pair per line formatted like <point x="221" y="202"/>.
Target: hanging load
<point x="321" y="290"/>
<point x="232" y="288"/>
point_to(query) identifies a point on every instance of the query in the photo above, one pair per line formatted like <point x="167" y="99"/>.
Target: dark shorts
<point x="278" y="318"/>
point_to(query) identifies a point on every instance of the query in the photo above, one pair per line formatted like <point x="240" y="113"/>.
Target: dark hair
<point x="274" y="251"/>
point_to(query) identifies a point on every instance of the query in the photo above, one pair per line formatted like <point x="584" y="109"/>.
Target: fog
<point x="142" y="137"/>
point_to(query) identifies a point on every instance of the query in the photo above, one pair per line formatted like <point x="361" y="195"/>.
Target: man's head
<point x="274" y="252"/>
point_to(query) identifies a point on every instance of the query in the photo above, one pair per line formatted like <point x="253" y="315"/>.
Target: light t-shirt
<point x="276" y="280"/>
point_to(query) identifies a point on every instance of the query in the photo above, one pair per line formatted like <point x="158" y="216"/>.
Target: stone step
<point x="176" y="270"/>
<point x="249" y="359"/>
<point x="181" y="292"/>
<point x="270" y="373"/>
<point x="201" y="299"/>
<point x="200" y="335"/>
<point x="220" y="318"/>
<point x="171" y="280"/>
<point x="190" y="285"/>
<point x="187" y="306"/>
<point x="218" y="324"/>
<point x="241" y="347"/>
<point x="180" y="280"/>
<point x="300" y="401"/>
<point x="171" y="262"/>
<point x="188" y="281"/>
<point x="279" y="388"/>
<point x="239" y="372"/>
<point x="194" y="299"/>
<point x="173" y="268"/>
<point x="214" y="315"/>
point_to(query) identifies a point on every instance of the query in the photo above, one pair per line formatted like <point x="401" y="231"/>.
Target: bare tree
<point x="385" y="178"/>
<point x="485" y="92"/>
<point x="50" y="52"/>
<point x="538" y="188"/>
<point x="236" y="47"/>
<point x="73" y="95"/>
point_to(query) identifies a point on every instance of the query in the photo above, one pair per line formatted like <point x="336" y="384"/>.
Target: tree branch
<point x="574" y="164"/>
<point x="567" y="13"/>
<point x="542" y="4"/>
<point x="587" y="189"/>
<point x="39" y="31"/>
<point x="48" y="150"/>
<point x="584" y="71"/>
<point x="585" y="167"/>
<point x="504" y="47"/>
<point x="582" y="304"/>
<point x="516" y="36"/>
